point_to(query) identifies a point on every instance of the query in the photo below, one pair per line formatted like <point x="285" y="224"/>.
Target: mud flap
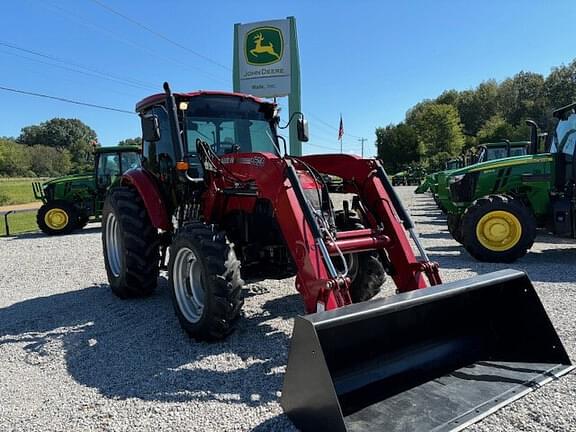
<point x="439" y="358"/>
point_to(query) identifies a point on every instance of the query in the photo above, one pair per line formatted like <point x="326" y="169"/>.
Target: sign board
<point x="264" y="58"/>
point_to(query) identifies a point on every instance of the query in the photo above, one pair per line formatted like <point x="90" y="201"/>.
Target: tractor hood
<point x="500" y="163"/>
<point x="70" y="178"/>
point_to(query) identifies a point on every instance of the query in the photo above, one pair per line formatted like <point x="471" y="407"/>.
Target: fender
<point x="148" y="191"/>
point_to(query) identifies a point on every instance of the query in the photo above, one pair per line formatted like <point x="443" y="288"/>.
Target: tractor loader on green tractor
<point x="216" y="188"/>
<point x="70" y="202"/>
<point x="496" y="208"/>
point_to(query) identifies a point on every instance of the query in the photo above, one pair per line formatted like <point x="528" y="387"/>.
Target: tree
<point x="476" y="106"/>
<point x="560" y="85"/>
<point x="439" y="130"/>
<point x="64" y="134"/>
<point x="397" y="146"/>
<point x="523" y="97"/>
<point x="131" y="142"/>
<point x="14" y="159"/>
<point x="48" y="162"/>
<point x="497" y="129"/>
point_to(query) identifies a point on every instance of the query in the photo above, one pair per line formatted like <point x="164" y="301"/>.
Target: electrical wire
<point x="158" y="34"/>
<point x="61" y="99"/>
<point x="85" y="22"/>
<point x="106" y="75"/>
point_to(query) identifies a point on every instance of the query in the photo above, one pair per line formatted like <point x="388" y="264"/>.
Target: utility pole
<point x="362" y="141"/>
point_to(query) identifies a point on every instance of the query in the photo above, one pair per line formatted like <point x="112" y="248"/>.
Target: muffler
<point x="434" y="359"/>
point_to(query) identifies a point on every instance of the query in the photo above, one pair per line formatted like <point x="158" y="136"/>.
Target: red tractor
<point x="215" y="185"/>
<point x="216" y="192"/>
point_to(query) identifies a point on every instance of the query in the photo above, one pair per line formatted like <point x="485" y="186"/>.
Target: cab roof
<point x="161" y="97"/>
<point x="114" y="149"/>
<point x="504" y="143"/>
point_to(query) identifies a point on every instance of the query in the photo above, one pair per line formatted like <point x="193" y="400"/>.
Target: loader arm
<point x="366" y="178"/>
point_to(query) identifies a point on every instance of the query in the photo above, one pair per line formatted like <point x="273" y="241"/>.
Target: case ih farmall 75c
<point x="215" y="189"/>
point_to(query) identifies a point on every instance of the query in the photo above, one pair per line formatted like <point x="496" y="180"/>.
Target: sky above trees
<point x="370" y="61"/>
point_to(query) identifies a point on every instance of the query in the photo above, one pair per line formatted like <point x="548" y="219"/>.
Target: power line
<point x="86" y="72"/>
<point x="158" y="34"/>
<point x="83" y="21"/>
<point x="61" y="99"/>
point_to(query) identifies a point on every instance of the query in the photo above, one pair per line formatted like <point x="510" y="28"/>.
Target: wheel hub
<point x="188" y="286"/>
<point x="499" y="230"/>
<point x="113" y="251"/>
<point x="56" y="218"/>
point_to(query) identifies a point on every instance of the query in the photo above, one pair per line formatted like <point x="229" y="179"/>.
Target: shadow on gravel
<point x="39" y="234"/>
<point x="136" y="349"/>
<point x="553" y="265"/>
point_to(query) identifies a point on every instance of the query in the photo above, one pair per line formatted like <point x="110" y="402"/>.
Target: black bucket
<point x="439" y="358"/>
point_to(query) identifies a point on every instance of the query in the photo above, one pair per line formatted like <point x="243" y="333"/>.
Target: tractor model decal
<point x="264" y="46"/>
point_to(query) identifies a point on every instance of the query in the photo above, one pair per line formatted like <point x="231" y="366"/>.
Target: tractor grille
<point x="463" y="191"/>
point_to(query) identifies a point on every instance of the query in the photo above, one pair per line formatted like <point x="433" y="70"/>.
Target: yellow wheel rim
<point x="56" y="219"/>
<point x="499" y="230"/>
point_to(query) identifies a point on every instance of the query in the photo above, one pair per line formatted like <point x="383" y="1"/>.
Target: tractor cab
<point x="453" y="164"/>
<point x="112" y="162"/>
<point x="228" y="123"/>
<point x="501" y="150"/>
<point x="563" y="149"/>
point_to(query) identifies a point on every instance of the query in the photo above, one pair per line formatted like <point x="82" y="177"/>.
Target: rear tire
<point x="57" y="218"/>
<point x="130" y="243"/>
<point x="205" y="282"/>
<point x="498" y="228"/>
<point x="454" y="222"/>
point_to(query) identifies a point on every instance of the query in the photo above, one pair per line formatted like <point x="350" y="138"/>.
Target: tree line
<point x="50" y="149"/>
<point x="435" y="130"/>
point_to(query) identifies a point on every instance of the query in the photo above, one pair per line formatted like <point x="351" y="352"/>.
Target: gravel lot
<point x="74" y="357"/>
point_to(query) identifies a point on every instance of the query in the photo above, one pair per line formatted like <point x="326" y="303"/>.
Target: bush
<point x="3" y="198"/>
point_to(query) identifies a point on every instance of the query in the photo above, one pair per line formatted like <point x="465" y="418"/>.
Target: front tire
<point x="498" y="228"/>
<point x="130" y="243"/>
<point x="57" y="218"/>
<point x="205" y="282"/>
<point x="454" y="222"/>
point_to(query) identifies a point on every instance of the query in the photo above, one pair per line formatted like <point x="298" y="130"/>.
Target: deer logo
<point x="260" y="49"/>
<point x="264" y="45"/>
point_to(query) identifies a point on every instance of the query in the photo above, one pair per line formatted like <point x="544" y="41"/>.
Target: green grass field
<point x="17" y="190"/>
<point x="19" y="223"/>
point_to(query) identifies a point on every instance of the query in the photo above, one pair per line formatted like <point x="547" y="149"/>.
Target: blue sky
<point x="369" y="60"/>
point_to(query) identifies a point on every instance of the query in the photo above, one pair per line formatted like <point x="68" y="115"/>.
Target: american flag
<point x="341" y="129"/>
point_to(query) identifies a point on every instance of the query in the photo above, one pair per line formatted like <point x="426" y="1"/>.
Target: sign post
<point x="266" y="64"/>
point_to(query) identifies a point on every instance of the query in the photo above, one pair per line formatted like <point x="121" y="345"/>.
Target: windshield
<point x="228" y="125"/>
<point x="564" y="136"/>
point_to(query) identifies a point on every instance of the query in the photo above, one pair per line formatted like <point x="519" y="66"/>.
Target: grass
<point x="19" y="223"/>
<point x="17" y="190"/>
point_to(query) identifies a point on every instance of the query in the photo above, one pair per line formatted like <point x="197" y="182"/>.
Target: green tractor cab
<point x="70" y="202"/>
<point x="496" y="207"/>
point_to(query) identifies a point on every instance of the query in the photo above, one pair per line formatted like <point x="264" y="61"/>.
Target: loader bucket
<point x="439" y="358"/>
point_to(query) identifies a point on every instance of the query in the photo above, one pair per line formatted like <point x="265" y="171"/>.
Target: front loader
<point x="216" y="190"/>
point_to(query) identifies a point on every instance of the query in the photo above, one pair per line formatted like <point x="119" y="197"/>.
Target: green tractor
<point x="496" y="207"/>
<point x="484" y="152"/>
<point x="70" y="202"/>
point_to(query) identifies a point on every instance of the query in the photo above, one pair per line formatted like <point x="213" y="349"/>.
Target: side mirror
<point x="302" y="128"/>
<point x="150" y="128"/>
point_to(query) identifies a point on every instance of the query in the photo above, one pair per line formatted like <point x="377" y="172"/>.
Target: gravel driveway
<point x="74" y="357"/>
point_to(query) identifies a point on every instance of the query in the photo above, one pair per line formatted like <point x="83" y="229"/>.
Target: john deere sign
<point x="266" y="64"/>
<point x="263" y="46"/>
<point x="263" y="55"/>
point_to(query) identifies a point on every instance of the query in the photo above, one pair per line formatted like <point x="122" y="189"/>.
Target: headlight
<point x="456" y="178"/>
